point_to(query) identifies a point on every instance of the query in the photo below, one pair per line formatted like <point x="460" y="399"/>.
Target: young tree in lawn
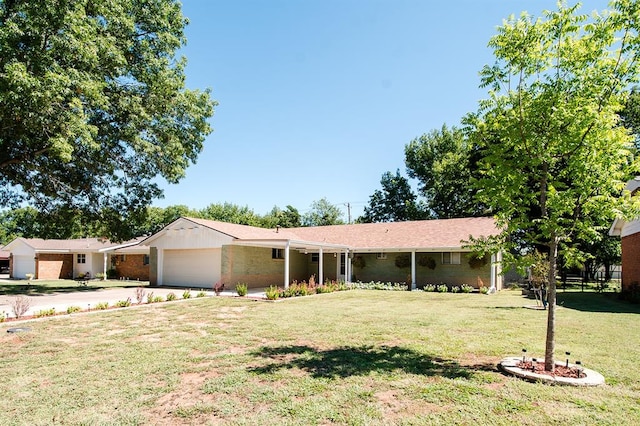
<point x="554" y="155"/>
<point x="395" y="202"/>
<point x="94" y="108"/>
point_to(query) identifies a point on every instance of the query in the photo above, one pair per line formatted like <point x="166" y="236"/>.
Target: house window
<point x="381" y="256"/>
<point x="277" y="253"/>
<point x="145" y="259"/>
<point x="450" y="258"/>
<point x="82" y="258"/>
<point x="315" y="257"/>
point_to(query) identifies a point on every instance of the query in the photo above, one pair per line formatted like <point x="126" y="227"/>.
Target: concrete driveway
<point x="88" y="299"/>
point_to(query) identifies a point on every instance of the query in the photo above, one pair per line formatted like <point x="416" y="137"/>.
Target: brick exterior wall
<point x="630" y="260"/>
<point x="54" y="266"/>
<point x="132" y="267"/>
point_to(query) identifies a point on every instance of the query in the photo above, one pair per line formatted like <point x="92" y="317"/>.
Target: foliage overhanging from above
<point x="94" y="107"/>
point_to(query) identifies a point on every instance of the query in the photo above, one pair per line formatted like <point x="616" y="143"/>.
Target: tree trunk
<point x="550" y="346"/>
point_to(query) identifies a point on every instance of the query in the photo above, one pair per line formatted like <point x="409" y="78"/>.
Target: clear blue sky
<point x="319" y="97"/>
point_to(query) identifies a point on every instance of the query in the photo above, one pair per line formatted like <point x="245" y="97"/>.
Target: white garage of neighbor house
<point x="61" y="259"/>
<point x="192" y="252"/>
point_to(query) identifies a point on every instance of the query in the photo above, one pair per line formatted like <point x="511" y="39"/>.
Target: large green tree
<point x="554" y="155"/>
<point x="287" y="218"/>
<point x="395" y="202"/>
<point x="444" y="163"/>
<point x="94" y="108"/>
<point x="322" y="213"/>
<point x="231" y="213"/>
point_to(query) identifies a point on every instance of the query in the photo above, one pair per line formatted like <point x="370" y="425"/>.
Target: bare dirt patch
<point x="394" y="405"/>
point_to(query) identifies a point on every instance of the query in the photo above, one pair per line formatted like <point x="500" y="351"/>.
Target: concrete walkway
<point x="89" y="298"/>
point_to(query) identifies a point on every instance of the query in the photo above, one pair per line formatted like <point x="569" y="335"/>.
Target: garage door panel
<point x="23" y="265"/>
<point x="191" y="268"/>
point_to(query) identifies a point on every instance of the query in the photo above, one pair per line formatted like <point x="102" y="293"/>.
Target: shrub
<point x="272" y="293"/>
<point x="100" y="276"/>
<point x="466" y="288"/>
<point x="140" y="292"/>
<point x="430" y="287"/>
<point x="124" y="303"/>
<point x="20" y="305"/>
<point x="102" y="306"/>
<point x="73" y="309"/>
<point x="157" y="299"/>
<point x="241" y="289"/>
<point x="150" y="297"/>
<point x="112" y="274"/>
<point x="45" y="313"/>
<point x="484" y="290"/>
<point x="378" y="285"/>
<point x="171" y="296"/>
<point x="442" y="288"/>
<point x="455" y="289"/>
<point x="403" y="261"/>
<point x="427" y="261"/>
<point x="187" y="294"/>
<point x="200" y="294"/>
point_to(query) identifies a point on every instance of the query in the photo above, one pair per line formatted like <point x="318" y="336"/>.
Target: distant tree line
<point x="29" y="222"/>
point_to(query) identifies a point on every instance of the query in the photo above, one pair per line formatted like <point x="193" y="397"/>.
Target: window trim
<point x="277" y="254"/>
<point x="454" y="258"/>
<point x="81" y="258"/>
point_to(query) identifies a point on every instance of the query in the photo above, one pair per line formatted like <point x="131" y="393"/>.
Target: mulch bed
<point x="559" y="370"/>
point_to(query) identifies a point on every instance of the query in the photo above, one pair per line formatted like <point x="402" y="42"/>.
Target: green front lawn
<point x="15" y="287"/>
<point x="356" y="357"/>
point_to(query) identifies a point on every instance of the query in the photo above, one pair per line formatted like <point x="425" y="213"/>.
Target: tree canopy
<point x="395" y="202"/>
<point x="322" y="213"/>
<point x="554" y="155"/>
<point x="94" y="107"/>
<point x="444" y="163"/>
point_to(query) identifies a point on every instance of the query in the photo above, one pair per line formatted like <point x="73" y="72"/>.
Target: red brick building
<point x="629" y="232"/>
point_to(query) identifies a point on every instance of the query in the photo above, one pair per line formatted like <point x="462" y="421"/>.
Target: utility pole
<point x="348" y="212"/>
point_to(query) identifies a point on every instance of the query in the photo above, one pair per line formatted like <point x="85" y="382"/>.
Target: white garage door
<point x="191" y="268"/>
<point x="23" y="265"/>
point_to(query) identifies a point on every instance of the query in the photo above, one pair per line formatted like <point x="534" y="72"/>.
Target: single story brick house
<point x="629" y="231"/>
<point x="60" y="259"/>
<point x="192" y="252"/>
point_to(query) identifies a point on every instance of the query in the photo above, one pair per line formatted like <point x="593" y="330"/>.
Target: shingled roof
<point x="424" y="234"/>
<point x="71" y="245"/>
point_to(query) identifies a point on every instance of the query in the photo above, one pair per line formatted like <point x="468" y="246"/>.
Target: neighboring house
<point x="56" y="259"/>
<point x="629" y="231"/>
<point x="196" y="253"/>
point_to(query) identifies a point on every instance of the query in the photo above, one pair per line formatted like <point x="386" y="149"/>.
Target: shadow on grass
<point x="359" y="361"/>
<point x="596" y="302"/>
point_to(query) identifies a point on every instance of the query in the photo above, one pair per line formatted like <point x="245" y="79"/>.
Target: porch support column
<point x="286" y="265"/>
<point x="413" y="269"/>
<point x="320" y="267"/>
<point x="347" y="267"/>
<point x="492" y="288"/>
<point x="160" y="267"/>
<point x="105" y="255"/>
<point x="338" y="260"/>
